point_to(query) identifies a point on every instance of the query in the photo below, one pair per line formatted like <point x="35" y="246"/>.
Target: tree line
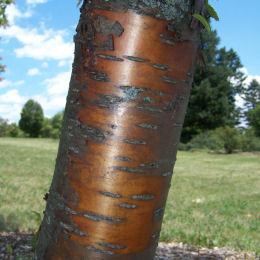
<point x="33" y="123"/>
<point x="212" y="115"/>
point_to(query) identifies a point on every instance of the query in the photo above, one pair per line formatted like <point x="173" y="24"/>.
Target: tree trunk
<point x="129" y="89"/>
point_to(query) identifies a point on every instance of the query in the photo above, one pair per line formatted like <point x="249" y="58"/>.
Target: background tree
<point x="251" y="96"/>
<point x="56" y="123"/>
<point x="3" y="21"/>
<point x="253" y="117"/>
<point x="31" y="118"/>
<point x="212" y="100"/>
<point x="9" y="130"/>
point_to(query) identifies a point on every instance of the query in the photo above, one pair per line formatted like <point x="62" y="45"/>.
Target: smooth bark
<point x="129" y="90"/>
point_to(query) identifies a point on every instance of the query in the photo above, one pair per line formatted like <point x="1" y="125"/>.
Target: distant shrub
<point x="206" y="140"/>
<point x="249" y="142"/>
<point x="183" y="147"/>
<point x="229" y="137"/>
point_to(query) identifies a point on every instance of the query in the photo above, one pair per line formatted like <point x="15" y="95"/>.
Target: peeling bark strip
<point x="134" y="63"/>
<point x="107" y="27"/>
<point x="100" y="217"/>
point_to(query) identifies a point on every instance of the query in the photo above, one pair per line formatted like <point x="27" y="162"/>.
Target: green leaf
<point x="10" y="250"/>
<point x="79" y="1"/>
<point x="212" y="11"/>
<point x="203" y="21"/>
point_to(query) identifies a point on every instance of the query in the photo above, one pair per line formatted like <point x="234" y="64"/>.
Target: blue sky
<point x="38" y="47"/>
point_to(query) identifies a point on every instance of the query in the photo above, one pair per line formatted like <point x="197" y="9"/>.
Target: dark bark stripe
<point x="177" y="124"/>
<point x="166" y="174"/>
<point x="98" y="76"/>
<point x="158" y="213"/>
<point x="123" y="159"/>
<point x="137" y="59"/>
<point x="99" y="250"/>
<point x="131" y="92"/>
<point x="167" y="39"/>
<point x="161" y="66"/>
<point x="143" y="197"/>
<point x="153" y="165"/>
<point x="74" y="149"/>
<point x="134" y="141"/>
<point x="100" y="217"/>
<point x="147" y="99"/>
<point x="109" y="101"/>
<point x="156" y="234"/>
<point x="93" y="133"/>
<point x="148" y="126"/>
<point x="110" y="194"/>
<point x="72" y="229"/>
<point x="109" y="57"/>
<point x="112" y="246"/>
<point x="129" y="169"/>
<point x="169" y="80"/>
<point x="70" y="211"/>
<point x="127" y="206"/>
<point x="169" y="42"/>
<point x="150" y="109"/>
<point x="157" y="93"/>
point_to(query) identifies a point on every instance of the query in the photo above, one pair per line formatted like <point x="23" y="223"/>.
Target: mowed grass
<point x="214" y="200"/>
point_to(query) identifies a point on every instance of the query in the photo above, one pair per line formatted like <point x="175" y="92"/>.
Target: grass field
<point x="214" y="199"/>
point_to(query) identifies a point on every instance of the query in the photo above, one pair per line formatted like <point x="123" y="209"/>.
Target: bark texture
<point x="129" y="89"/>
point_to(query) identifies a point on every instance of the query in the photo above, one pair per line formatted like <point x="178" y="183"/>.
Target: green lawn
<point x="214" y="199"/>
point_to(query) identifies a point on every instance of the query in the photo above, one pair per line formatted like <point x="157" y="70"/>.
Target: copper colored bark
<point x="125" y="109"/>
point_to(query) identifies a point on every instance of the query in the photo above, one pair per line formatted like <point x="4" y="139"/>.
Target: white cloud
<point x="249" y="77"/>
<point x="47" y="44"/>
<point x="55" y="103"/>
<point x="62" y="63"/>
<point x="10" y="112"/>
<point x="33" y="72"/>
<point x="56" y="92"/>
<point x="12" y="96"/>
<point x="58" y="85"/>
<point x="45" y="64"/>
<point x="13" y="12"/>
<point x="34" y="2"/>
<point x="7" y="83"/>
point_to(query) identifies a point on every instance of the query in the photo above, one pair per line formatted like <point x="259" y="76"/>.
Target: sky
<point x="38" y="47"/>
